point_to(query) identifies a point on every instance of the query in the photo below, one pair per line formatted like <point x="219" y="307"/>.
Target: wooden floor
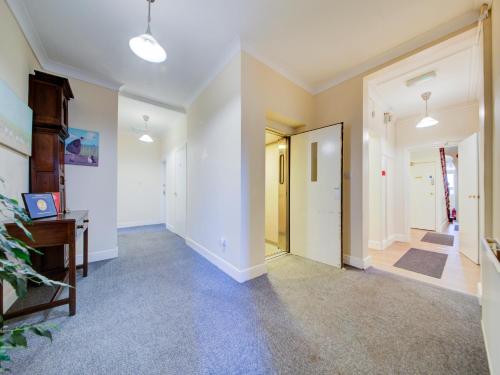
<point x="459" y="272"/>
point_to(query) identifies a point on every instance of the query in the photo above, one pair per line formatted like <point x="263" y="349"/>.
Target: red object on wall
<point x="383" y="173"/>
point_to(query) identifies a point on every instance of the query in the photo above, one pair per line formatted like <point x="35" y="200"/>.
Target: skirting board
<point x="169" y="227"/>
<point x="356" y="262"/>
<point x="239" y="275"/>
<point x="488" y="357"/>
<point x="96" y="256"/>
<point x="131" y="224"/>
<point x="374" y="245"/>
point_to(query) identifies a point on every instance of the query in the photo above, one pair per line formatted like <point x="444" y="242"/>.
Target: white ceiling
<point x="313" y="42"/>
<point x="130" y="112"/>
<point x="455" y="62"/>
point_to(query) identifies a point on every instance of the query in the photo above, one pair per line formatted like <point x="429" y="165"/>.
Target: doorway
<point x="422" y="121"/>
<point x="176" y="190"/>
<point x="277" y="193"/>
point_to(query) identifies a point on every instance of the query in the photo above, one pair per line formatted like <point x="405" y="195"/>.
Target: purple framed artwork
<point x="82" y="148"/>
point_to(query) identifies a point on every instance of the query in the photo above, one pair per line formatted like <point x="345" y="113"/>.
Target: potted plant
<point x="16" y="270"/>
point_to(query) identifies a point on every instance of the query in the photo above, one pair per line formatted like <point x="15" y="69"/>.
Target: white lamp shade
<point x="426" y="122"/>
<point x="146" y="47"/>
<point x="146" y="138"/>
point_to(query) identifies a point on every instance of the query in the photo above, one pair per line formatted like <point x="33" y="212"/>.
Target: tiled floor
<point x="459" y="273"/>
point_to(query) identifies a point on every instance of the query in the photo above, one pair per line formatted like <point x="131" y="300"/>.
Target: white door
<point x="316" y="195"/>
<point x="468" y="196"/>
<point x="423" y="196"/>
<point x="180" y="177"/>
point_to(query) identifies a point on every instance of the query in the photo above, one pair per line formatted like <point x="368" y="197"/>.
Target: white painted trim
<point x="96" y="256"/>
<point x="356" y="262"/>
<point x="374" y="245"/>
<point x="170" y="227"/>
<point x="25" y="22"/>
<point x="407" y="47"/>
<point x="277" y="67"/>
<point x="480" y="293"/>
<point x="444" y="225"/>
<point x="402" y="237"/>
<point x="488" y="357"/>
<point x="140" y="98"/>
<point x="139" y="223"/>
<point x="388" y="242"/>
<point x="239" y="275"/>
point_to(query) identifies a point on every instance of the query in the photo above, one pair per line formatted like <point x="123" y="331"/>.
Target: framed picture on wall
<point x="82" y="148"/>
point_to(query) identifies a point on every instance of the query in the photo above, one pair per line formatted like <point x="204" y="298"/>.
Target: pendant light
<point x="145" y="46"/>
<point x="427" y="121"/>
<point x="146" y="137"/>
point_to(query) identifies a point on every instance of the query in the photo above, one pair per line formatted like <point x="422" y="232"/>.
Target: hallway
<point x="459" y="273"/>
<point x="303" y="317"/>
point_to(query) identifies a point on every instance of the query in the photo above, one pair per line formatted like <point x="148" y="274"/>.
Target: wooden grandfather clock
<point x="49" y="96"/>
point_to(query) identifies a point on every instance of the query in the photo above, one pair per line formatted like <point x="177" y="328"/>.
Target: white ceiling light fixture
<point x="146" y="137"/>
<point x="145" y="46"/>
<point x="427" y="121"/>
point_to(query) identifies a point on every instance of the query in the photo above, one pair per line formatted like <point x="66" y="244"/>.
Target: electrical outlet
<point x="223" y="243"/>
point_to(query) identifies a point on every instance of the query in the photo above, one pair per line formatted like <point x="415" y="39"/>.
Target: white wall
<point x="139" y="181"/>
<point x="17" y="61"/>
<point x="94" y="188"/>
<point x="214" y="171"/>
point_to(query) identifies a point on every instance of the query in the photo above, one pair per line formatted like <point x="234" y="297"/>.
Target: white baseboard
<point x="485" y="338"/>
<point x="375" y="245"/>
<point x="356" y="262"/>
<point x="140" y="223"/>
<point x="239" y="275"/>
<point x="402" y="237"/>
<point x="479" y="292"/>
<point x="169" y="227"/>
<point x="96" y="256"/>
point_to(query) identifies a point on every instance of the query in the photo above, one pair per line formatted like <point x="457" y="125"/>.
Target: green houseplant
<point x="16" y="270"/>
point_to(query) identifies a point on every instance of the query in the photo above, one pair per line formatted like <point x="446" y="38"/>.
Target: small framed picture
<point x="39" y="205"/>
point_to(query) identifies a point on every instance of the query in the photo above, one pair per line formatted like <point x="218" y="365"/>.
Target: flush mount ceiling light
<point x="146" y="137"/>
<point x="145" y="46"/>
<point x="427" y="120"/>
<point x="421" y="78"/>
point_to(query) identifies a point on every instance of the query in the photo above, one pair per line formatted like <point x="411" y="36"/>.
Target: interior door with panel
<point x="423" y="195"/>
<point x="468" y="196"/>
<point x="180" y="191"/>
<point x="316" y="195"/>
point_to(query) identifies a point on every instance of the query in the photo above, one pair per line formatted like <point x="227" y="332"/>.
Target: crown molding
<point x="140" y="98"/>
<point x="413" y="44"/>
<point x="233" y="50"/>
<point x="277" y="67"/>
<point x="25" y="22"/>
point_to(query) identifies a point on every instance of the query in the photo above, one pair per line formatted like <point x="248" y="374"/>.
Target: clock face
<point x="41" y="204"/>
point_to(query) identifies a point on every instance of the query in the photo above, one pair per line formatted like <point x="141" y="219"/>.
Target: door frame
<point x="341" y="124"/>
<point x="287" y="137"/>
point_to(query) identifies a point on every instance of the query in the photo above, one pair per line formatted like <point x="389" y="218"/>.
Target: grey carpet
<point x="162" y="309"/>
<point x="425" y="262"/>
<point x="438" y="238"/>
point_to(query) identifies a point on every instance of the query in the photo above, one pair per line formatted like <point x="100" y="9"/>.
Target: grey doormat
<point x="425" y="262"/>
<point x="438" y="238"/>
<point x="457" y="228"/>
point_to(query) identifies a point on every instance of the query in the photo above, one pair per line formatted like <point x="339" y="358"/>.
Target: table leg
<point x="72" y="276"/>
<point x="85" y="252"/>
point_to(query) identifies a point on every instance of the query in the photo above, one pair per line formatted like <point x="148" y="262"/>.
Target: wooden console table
<point x="61" y="230"/>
